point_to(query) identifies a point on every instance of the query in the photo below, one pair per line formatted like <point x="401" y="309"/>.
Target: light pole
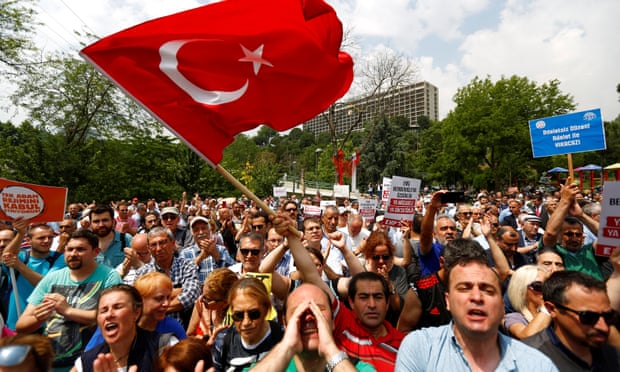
<point x="316" y="163"/>
<point x="294" y="176"/>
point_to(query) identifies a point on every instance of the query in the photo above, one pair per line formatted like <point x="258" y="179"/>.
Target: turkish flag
<point x="215" y="71"/>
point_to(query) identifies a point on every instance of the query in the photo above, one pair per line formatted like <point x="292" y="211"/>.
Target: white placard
<point x="401" y="204"/>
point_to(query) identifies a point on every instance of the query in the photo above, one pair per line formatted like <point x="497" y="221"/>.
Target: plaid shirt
<point x="184" y="274"/>
<point x="207" y="265"/>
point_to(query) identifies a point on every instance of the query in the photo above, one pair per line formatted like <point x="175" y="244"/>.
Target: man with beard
<point x="440" y="228"/>
<point x="308" y="342"/>
<point x="65" y="300"/>
<point x="111" y="242"/>
<point x="30" y="266"/>
<point x="582" y="318"/>
<point x="472" y="340"/>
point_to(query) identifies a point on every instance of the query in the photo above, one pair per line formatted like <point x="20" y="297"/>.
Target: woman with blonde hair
<point x="155" y="290"/>
<point x="252" y="335"/>
<point x="525" y="295"/>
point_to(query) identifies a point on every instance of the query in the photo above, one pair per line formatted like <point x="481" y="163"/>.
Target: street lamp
<point x="316" y="163"/>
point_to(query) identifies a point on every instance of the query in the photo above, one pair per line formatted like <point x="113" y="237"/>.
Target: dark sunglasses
<point x="169" y="217"/>
<point x="13" y="355"/>
<point x="377" y="257"/>
<point x="291" y="210"/>
<point x="258" y="227"/>
<point x="570" y="234"/>
<point x="252" y="314"/>
<point x="590" y="318"/>
<point x="245" y="251"/>
<point x="536" y="286"/>
<point x="495" y="224"/>
<point x="466" y="213"/>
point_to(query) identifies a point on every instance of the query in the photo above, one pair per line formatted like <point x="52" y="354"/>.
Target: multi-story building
<point x="412" y="101"/>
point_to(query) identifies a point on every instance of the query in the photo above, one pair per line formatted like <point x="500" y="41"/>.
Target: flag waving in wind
<point x="215" y="71"/>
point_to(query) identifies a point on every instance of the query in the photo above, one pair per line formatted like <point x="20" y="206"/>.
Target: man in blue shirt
<point x="29" y="266"/>
<point x="472" y="340"/>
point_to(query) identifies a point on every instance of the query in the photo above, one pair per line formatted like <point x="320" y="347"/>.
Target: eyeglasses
<point x="252" y="314"/>
<point x="208" y="303"/>
<point x="466" y="213"/>
<point x="13" y="355"/>
<point x="257" y="227"/>
<point x="246" y="251"/>
<point x="590" y="318"/>
<point x="385" y="257"/>
<point x="495" y="224"/>
<point x="571" y="234"/>
<point x="536" y="286"/>
<point x="291" y="210"/>
<point x="169" y="217"/>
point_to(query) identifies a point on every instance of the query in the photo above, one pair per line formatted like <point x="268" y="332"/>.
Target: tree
<point x="69" y="97"/>
<point x="488" y="129"/>
<point x="381" y="75"/>
<point x="16" y="27"/>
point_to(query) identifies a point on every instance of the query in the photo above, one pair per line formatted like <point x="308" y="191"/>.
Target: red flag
<point x="215" y="71"/>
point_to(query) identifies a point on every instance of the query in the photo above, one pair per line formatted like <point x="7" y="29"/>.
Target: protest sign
<point x="566" y="134"/>
<point x="401" y="204"/>
<point x="367" y="209"/>
<point x="279" y="191"/>
<point x="609" y="226"/>
<point x="37" y="203"/>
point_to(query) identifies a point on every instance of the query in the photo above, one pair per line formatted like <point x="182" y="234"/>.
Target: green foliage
<point x="16" y="27"/>
<point x="488" y="128"/>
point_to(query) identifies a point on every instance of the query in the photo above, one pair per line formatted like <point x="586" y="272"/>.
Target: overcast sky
<point x="451" y="41"/>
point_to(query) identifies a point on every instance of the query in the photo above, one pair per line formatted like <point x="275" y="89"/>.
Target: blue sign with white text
<point x="565" y="134"/>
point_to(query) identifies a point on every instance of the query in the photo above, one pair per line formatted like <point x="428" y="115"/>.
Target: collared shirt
<point x="583" y="260"/>
<point x="357" y="342"/>
<point x="606" y="358"/>
<point x="183" y="274"/>
<point x="436" y="349"/>
<point x="209" y="264"/>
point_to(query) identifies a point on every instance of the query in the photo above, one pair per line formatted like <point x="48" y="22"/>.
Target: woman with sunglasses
<point x="525" y="295"/>
<point x="252" y="335"/>
<point x="32" y="353"/>
<point x="210" y="314"/>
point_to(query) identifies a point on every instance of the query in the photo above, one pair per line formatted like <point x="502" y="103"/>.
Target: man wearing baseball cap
<point x="205" y="252"/>
<point x="170" y="218"/>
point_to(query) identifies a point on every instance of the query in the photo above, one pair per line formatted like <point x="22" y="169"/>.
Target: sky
<point x="449" y="41"/>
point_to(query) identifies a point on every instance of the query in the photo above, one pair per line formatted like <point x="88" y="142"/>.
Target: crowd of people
<point x="501" y="282"/>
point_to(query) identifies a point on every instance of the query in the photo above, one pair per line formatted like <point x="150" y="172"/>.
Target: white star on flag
<point x="256" y="57"/>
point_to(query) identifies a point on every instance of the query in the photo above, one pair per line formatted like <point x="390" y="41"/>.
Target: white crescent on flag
<point x="169" y="65"/>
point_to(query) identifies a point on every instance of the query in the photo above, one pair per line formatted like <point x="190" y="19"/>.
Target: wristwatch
<point x="333" y="362"/>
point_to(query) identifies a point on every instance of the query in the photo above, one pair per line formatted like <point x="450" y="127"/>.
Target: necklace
<point x="117" y="360"/>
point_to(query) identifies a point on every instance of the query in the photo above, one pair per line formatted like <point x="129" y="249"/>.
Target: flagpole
<point x="571" y="174"/>
<point x="241" y="187"/>
<point x="15" y="291"/>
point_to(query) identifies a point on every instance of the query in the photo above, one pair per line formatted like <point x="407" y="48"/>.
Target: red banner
<point x="34" y="202"/>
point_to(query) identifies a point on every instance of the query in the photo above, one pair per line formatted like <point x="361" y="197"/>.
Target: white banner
<point x="401" y="204"/>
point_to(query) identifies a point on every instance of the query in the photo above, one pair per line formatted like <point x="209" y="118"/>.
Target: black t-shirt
<point x="431" y="292"/>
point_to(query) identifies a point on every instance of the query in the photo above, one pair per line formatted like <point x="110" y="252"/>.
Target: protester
<point x="118" y="311"/>
<point x="472" y="340"/>
<point x="252" y="335"/>
<point x="65" y="301"/>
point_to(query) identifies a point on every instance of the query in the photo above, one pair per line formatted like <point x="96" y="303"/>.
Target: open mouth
<point x="309" y="327"/>
<point x="477" y="313"/>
